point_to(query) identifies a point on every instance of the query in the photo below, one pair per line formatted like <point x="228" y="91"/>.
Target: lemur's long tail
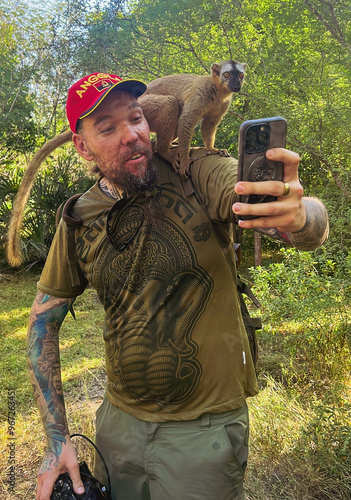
<point x="13" y="248"/>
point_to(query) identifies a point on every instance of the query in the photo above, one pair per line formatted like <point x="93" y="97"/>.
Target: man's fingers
<point x="289" y="158"/>
<point x="46" y="483"/>
<point x="45" y="486"/>
<point x="280" y="222"/>
<point x="76" y="479"/>
<point x="285" y="215"/>
<point x="287" y="212"/>
<point x="52" y="466"/>
<point x="273" y="188"/>
<point x="270" y="209"/>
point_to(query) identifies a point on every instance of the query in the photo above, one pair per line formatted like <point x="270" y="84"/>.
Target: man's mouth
<point x="136" y="156"/>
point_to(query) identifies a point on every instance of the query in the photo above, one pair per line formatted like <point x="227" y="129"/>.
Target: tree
<point x="298" y="55"/>
<point x="17" y="130"/>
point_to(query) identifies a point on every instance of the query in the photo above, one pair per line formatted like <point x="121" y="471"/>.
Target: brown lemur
<point x="173" y="105"/>
<point x="190" y="99"/>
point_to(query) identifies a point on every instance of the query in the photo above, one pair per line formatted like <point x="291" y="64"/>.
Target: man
<point x="174" y="420"/>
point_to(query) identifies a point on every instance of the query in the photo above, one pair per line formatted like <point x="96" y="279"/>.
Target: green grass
<point x="82" y="360"/>
<point x="300" y="421"/>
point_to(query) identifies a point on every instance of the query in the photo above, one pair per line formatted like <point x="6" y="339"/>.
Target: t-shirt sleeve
<point x="55" y="278"/>
<point x="214" y="178"/>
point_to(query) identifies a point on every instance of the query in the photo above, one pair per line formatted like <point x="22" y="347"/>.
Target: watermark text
<point x="11" y="439"/>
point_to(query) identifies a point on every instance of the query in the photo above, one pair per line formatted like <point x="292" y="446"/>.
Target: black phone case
<point x="255" y="138"/>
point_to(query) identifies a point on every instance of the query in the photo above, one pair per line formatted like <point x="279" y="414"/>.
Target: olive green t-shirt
<point x="175" y="342"/>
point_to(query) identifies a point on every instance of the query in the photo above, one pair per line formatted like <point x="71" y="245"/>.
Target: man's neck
<point x="110" y="189"/>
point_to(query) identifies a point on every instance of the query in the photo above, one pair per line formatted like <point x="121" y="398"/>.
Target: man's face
<point x="117" y="137"/>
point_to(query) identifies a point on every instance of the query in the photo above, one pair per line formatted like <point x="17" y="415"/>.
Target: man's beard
<point x="133" y="184"/>
<point x="122" y="178"/>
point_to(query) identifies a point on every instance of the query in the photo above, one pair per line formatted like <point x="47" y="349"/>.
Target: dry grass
<point x="300" y="436"/>
<point x="82" y="359"/>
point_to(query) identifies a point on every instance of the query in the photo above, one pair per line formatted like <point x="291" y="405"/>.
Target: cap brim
<point x="135" y="87"/>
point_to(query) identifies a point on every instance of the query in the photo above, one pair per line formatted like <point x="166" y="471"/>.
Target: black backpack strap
<point x="251" y="324"/>
<point x="65" y="212"/>
<point x="188" y="186"/>
<point x="244" y="288"/>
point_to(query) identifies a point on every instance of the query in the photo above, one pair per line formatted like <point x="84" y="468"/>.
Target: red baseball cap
<point x="86" y="94"/>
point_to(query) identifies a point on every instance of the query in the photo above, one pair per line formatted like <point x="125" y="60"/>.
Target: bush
<point x="63" y="176"/>
<point x="301" y="439"/>
<point x="308" y="302"/>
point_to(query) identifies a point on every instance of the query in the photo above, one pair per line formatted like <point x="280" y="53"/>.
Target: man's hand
<point x="52" y="466"/>
<point x="287" y="213"/>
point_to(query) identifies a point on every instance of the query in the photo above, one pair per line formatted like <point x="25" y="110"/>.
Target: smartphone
<point x="255" y="138"/>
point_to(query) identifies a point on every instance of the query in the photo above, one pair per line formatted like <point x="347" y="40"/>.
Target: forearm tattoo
<point x="316" y="229"/>
<point x="47" y="315"/>
<point x="272" y="232"/>
<point x="312" y="235"/>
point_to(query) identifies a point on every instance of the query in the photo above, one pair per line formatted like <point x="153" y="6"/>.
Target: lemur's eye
<point x="226" y="74"/>
<point x="241" y="75"/>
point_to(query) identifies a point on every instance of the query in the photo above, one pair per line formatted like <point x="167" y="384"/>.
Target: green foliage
<point x="330" y="430"/>
<point x="63" y="176"/>
<point x="301" y="440"/>
<point x="10" y="180"/>
<point x="305" y="290"/>
<point x="16" y="125"/>
<point x="300" y="444"/>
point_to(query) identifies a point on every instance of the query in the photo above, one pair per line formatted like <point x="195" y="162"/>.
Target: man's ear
<point x="79" y="142"/>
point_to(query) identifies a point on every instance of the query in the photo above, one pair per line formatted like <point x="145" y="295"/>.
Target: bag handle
<point x="100" y="455"/>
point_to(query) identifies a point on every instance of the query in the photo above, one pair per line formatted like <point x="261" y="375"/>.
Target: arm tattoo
<point x="312" y="235"/>
<point x="316" y="229"/>
<point x="272" y="232"/>
<point x="49" y="460"/>
<point x="47" y="315"/>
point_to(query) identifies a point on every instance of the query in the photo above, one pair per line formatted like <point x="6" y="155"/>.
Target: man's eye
<point x="137" y="118"/>
<point x="106" y="130"/>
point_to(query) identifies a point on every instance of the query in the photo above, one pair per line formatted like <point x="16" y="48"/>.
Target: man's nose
<point x="129" y="134"/>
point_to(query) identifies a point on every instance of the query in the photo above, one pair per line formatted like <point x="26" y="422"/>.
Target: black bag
<point x="94" y="490"/>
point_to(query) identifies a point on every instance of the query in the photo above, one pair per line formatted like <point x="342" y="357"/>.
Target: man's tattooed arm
<point x="47" y="315"/>
<point x="313" y="234"/>
<point x="316" y="229"/>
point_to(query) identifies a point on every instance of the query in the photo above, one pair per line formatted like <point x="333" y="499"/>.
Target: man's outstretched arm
<point x="46" y="317"/>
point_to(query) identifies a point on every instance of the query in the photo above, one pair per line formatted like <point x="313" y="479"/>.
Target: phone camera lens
<point x="257" y="138"/>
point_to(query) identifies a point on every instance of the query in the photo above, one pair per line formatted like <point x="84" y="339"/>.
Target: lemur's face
<point x="233" y="75"/>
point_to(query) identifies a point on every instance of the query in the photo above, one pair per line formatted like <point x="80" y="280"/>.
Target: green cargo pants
<point x="201" y="459"/>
